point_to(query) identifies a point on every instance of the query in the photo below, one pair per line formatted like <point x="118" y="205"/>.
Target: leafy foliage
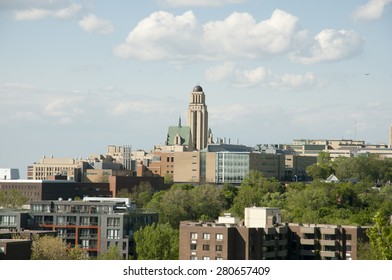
<point x="185" y="202"/>
<point x="48" y="248"/>
<point x="12" y="199"/>
<point x="54" y="248"/>
<point x="380" y="237"/>
<point x="157" y="242"/>
<point x="113" y="253"/>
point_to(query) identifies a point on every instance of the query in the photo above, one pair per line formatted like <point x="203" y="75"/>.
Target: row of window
<point x="7" y="220"/>
<point x="206" y="247"/>
<point x="207" y="236"/>
<point x="205" y="258"/>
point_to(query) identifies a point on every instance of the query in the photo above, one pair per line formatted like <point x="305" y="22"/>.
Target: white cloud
<point x="21" y="103"/>
<point x="219" y="72"/>
<point x="240" y="35"/>
<point x="200" y="3"/>
<point x="261" y="76"/>
<point x="93" y="24"/>
<point x="37" y="13"/>
<point x="32" y="14"/>
<point x="372" y="10"/>
<point x="251" y="77"/>
<point x="162" y="36"/>
<point x="67" y="12"/>
<point x="295" y="81"/>
<point x="331" y="45"/>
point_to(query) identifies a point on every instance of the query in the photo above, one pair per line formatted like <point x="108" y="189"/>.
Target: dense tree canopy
<point x="185" y="202"/>
<point x="157" y="242"/>
<point x="54" y="248"/>
<point x="12" y="199"/>
<point x="380" y="236"/>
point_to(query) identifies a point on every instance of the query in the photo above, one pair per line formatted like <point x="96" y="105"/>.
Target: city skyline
<point x="77" y="76"/>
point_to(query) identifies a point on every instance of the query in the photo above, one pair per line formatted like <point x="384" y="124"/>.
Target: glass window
<point x="218" y="248"/>
<point x="206" y="258"/>
<point x="193" y="247"/>
<point x="206" y="247"/>
<point x="193" y="235"/>
<point x="219" y="236"/>
<point x="113" y="233"/>
<point x="206" y="236"/>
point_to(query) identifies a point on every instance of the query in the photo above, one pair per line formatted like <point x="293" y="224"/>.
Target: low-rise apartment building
<point x="262" y="235"/>
<point x="93" y="223"/>
<point x="258" y="237"/>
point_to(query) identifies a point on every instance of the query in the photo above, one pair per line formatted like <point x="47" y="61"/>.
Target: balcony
<point x="328" y="242"/>
<point x="328" y="254"/>
<point x="311" y="253"/>
<point x="308" y="241"/>
<point x="268" y="243"/>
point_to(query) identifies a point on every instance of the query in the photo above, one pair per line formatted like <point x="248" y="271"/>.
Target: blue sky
<point x="76" y="76"/>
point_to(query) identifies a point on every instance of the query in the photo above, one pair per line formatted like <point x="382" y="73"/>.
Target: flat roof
<point x="36" y="181"/>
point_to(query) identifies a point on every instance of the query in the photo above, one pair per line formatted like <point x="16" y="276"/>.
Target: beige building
<point x="198" y="119"/>
<point x="390" y="137"/>
<point x="120" y="154"/>
<point x="47" y="167"/>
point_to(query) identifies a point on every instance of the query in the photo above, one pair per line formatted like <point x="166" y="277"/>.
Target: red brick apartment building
<point x="262" y="236"/>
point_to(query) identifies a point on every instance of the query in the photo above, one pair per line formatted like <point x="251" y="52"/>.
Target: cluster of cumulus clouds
<point x="164" y="36"/>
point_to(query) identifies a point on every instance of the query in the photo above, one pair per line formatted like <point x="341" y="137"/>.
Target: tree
<point x="157" y="242"/>
<point x="252" y="191"/>
<point x="12" y="199"/>
<point x="207" y="201"/>
<point x="229" y="192"/>
<point x="48" y="248"/>
<point x="168" y="179"/>
<point x="142" y="193"/>
<point x="323" y="168"/>
<point x="113" y="253"/>
<point x="77" y="253"/>
<point x="380" y="237"/>
<point x="174" y="206"/>
<point x="54" y="248"/>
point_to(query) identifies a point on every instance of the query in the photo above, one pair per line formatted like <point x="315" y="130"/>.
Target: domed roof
<point x="197" y="89"/>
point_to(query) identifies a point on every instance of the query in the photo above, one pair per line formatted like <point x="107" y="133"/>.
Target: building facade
<point x="198" y="118"/>
<point x="228" y="239"/>
<point x="35" y="190"/>
<point x="93" y="224"/>
<point x="262" y="235"/>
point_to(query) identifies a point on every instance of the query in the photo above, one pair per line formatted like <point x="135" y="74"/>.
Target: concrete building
<point x="50" y="166"/>
<point x="225" y="163"/>
<point x="121" y="155"/>
<point x="9" y="174"/>
<point x="262" y="235"/>
<point x="390" y="137"/>
<point x="198" y="119"/>
<point x="94" y="223"/>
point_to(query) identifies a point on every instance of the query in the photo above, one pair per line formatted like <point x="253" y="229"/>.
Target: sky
<point x="76" y="76"/>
